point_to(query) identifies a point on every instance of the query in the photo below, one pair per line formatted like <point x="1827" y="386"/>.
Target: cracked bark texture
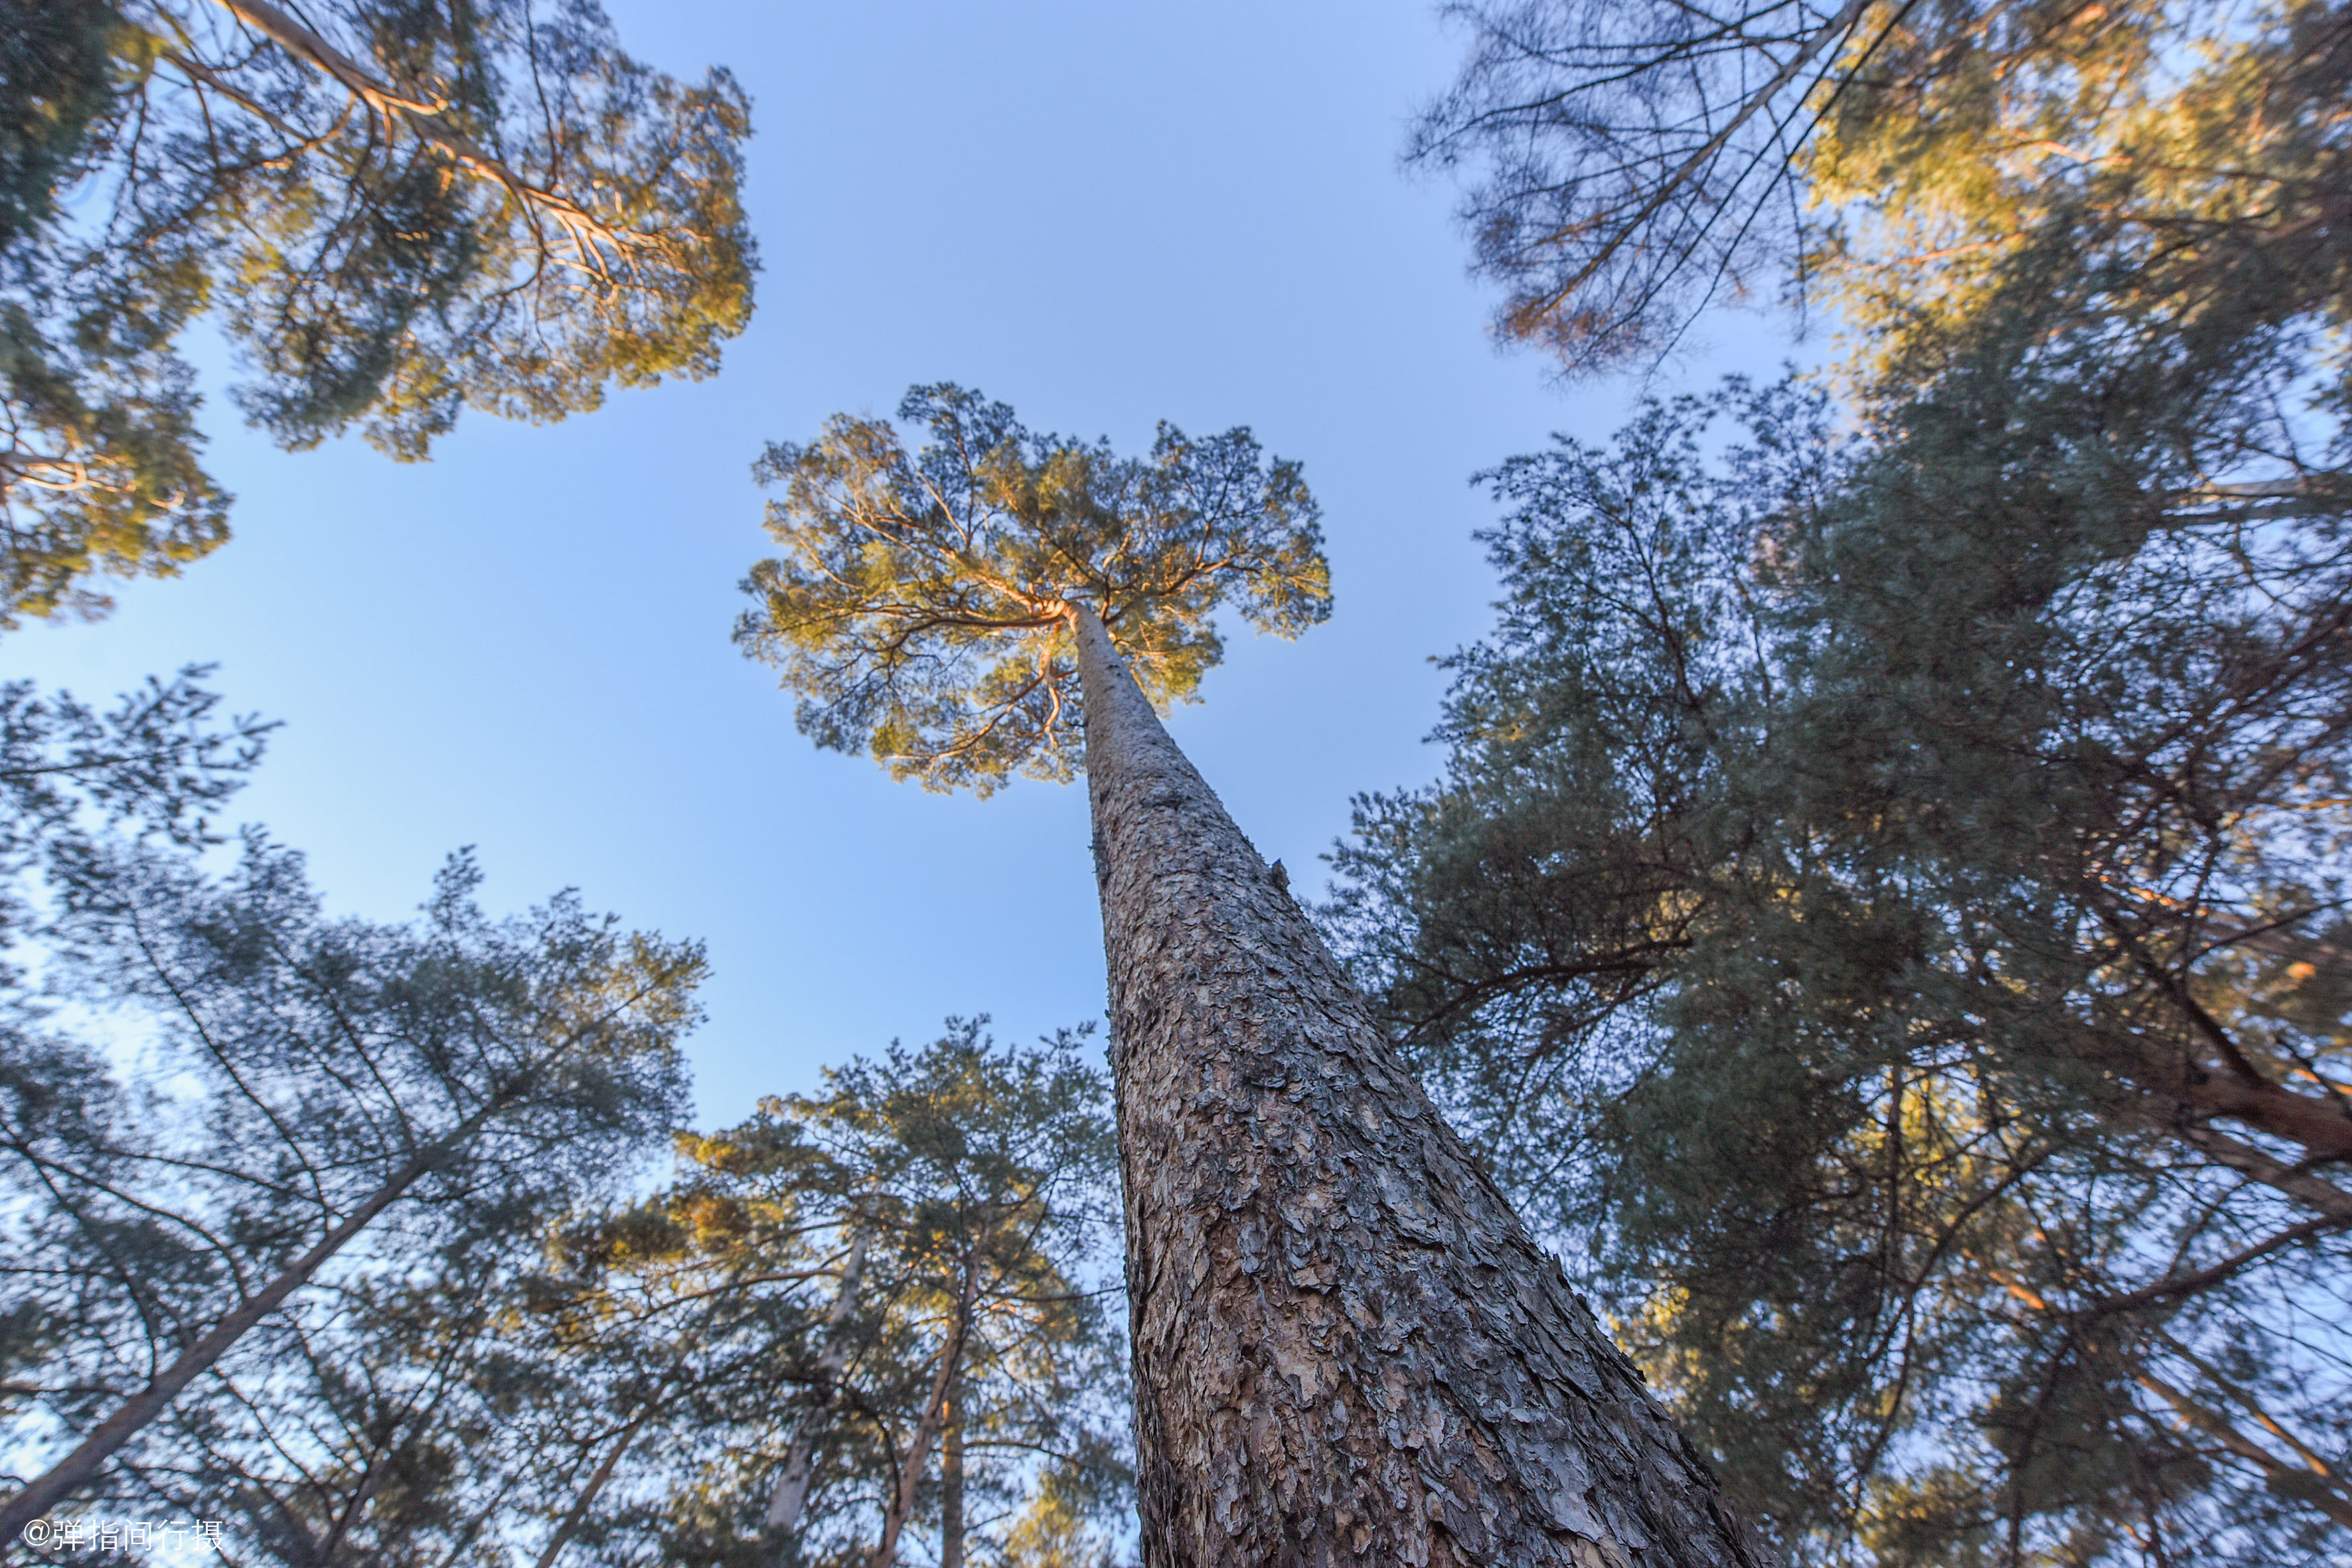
<point x="1348" y="1348"/>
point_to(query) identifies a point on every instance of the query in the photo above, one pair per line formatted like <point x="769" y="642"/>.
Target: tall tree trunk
<point x="1348" y="1349"/>
<point x="791" y="1493"/>
<point x="951" y="1480"/>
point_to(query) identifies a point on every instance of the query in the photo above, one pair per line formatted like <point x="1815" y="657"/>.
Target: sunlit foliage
<point x="922" y="610"/>
<point x="883" y="1289"/>
<point x="1898" y="163"/>
<point x="392" y="209"/>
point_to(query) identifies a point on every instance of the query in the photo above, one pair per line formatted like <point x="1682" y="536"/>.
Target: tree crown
<point x="971" y="1184"/>
<point x="925" y="605"/>
<point x="400" y="208"/>
<point x="1627" y="165"/>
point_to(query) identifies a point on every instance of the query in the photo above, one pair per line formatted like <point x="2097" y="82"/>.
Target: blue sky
<point x="1103" y="215"/>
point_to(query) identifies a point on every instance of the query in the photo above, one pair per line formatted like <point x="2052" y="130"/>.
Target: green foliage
<point x="150" y="765"/>
<point x="69" y="773"/>
<point x="971" y="1184"/>
<point x="55" y="62"/>
<point x="1883" y="907"/>
<point x="2164" y="171"/>
<point x="1052" y="1530"/>
<point x="394" y="208"/>
<point x="1886" y="897"/>
<point x="922" y="609"/>
<point x="201" y="1074"/>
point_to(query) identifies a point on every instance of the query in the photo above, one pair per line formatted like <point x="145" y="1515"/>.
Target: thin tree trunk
<point x="791" y="1493"/>
<point x="378" y="1473"/>
<point x="1348" y="1349"/>
<point x="927" y="1427"/>
<point x="46" y="1491"/>
<point x="596" y="1478"/>
<point x="951" y="1480"/>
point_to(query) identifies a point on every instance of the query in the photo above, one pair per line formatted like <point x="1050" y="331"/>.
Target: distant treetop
<point x="1625" y="163"/>
<point x="923" y="605"/>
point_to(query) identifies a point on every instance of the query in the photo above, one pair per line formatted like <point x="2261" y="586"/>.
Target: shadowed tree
<point x="394" y="209"/>
<point x="983" y="1175"/>
<point x="1894" y="920"/>
<point x="270" y="1184"/>
<point x="1347" y="1348"/>
<point x="869" y="1319"/>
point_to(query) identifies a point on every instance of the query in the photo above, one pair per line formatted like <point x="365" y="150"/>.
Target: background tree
<point x="664" y="1338"/>
<point x="1884" y="908"/>
<point x="971" y="1370"/>
<point x="254" y="1228"/>
<point x="204" y="1086"/>
<point x="394" y="208"/>
<point x="1918" y="822"/>
<point x="68" y="774"/>
<point x="1346" y="1346"/>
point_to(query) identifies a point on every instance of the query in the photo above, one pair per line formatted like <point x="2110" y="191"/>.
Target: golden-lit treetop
<point x="2167" y="163"/>
<point x="1628" y="163"/>
<point x="923" y="605"/>
<point x="394" y="210"/>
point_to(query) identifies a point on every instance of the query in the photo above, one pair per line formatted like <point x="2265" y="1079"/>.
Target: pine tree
<point x="871" y="1309"/>
<point x="1898" y="165"/>
<point x="1884" y="903"/>
<point x="1347" y="1347"/>
<point x="273" y="1204"/>
<point x="395" y="209"/>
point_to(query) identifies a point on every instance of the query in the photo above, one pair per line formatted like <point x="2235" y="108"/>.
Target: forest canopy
<point x="349" y="1236"/>
<point x="1882" y="911"/>
<point x="1884" y="897"/>
<point x="1895" y="168"/>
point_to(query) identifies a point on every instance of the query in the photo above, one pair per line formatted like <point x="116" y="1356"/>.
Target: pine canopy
<point x="922" y="605"/>
<point x="395" y="209"/>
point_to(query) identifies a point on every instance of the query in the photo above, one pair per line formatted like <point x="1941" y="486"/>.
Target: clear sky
<point x="1103" y="215"/>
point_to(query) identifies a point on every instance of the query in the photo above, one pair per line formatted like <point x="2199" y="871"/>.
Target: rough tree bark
<point x="1348" y="1349"/>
